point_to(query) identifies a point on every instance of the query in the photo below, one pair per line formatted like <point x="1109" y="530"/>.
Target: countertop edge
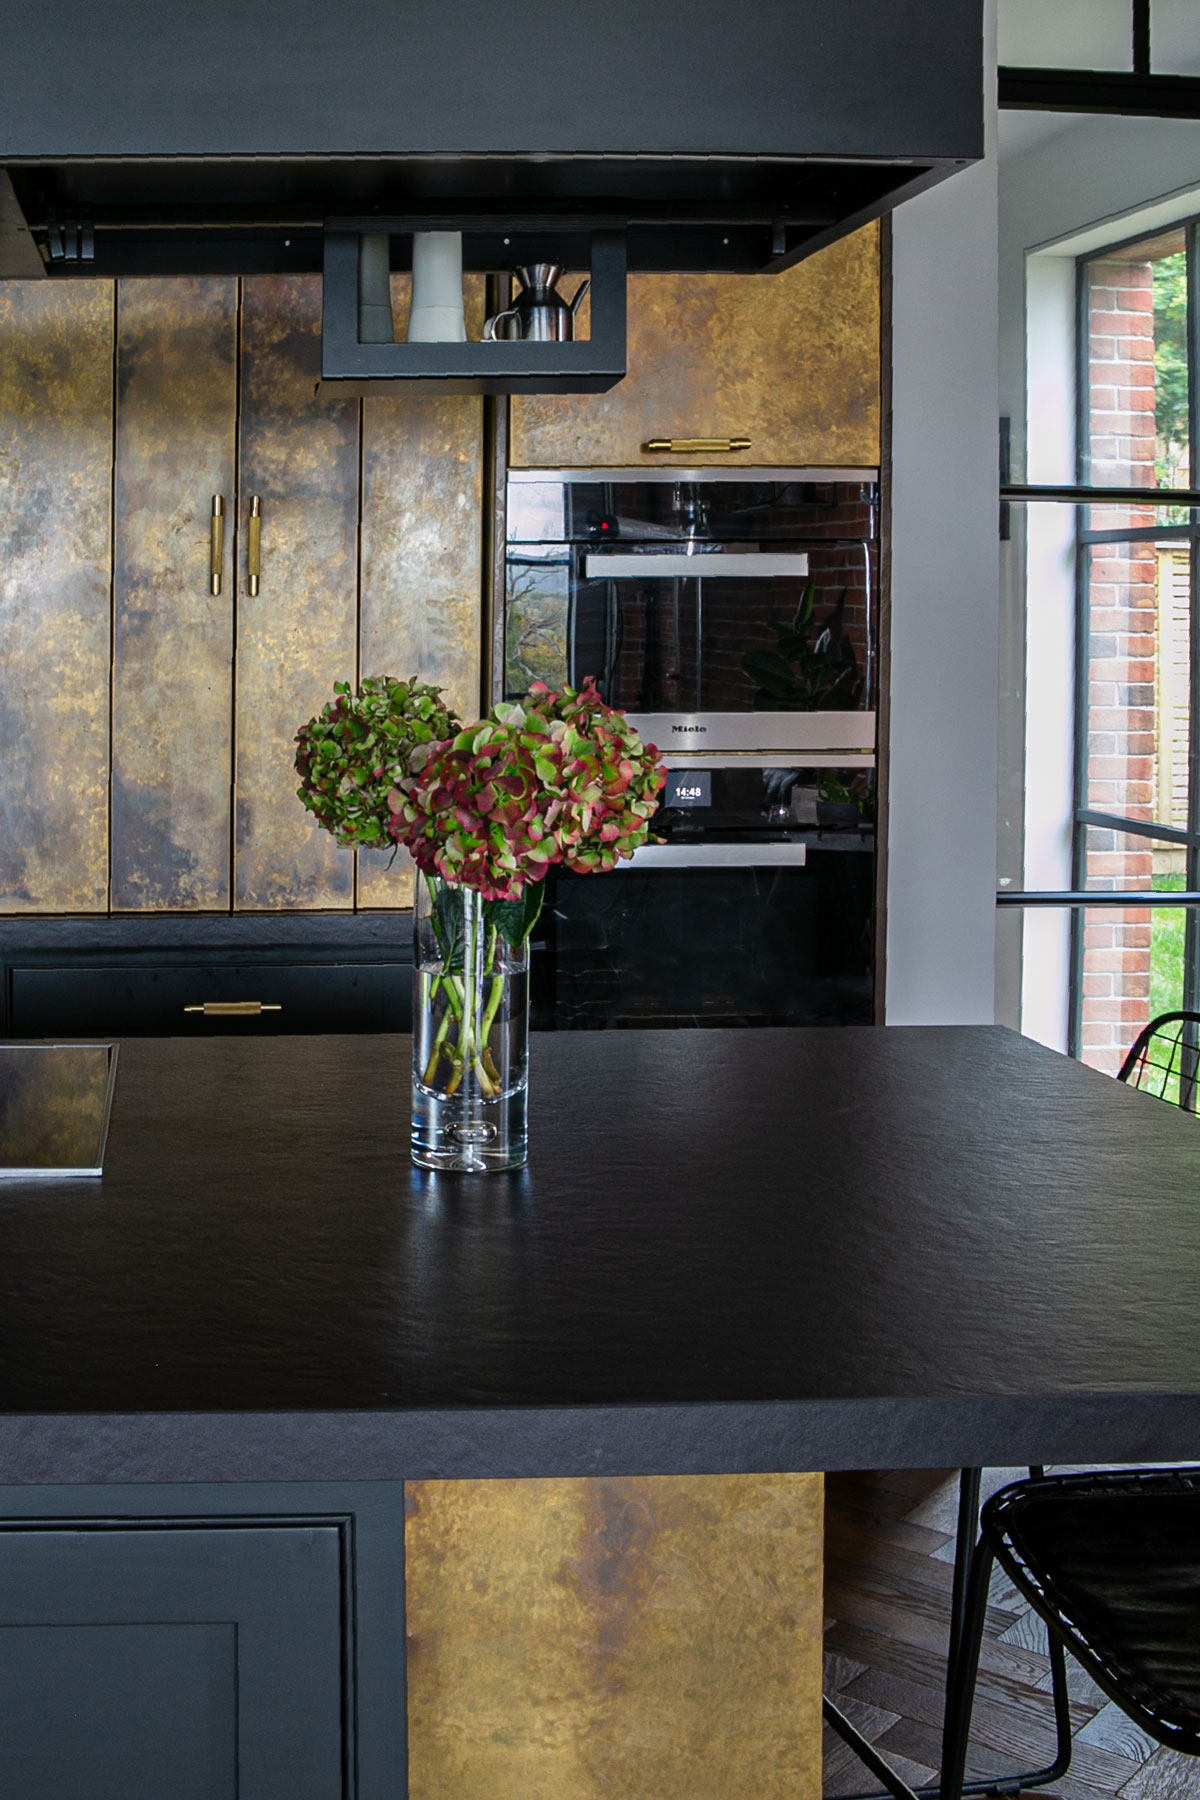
<point x="527" y="1443"/>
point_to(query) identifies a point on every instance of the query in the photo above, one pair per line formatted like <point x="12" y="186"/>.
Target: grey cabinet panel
<point x="173" y="1661"/>
<point x="304" y="1579"/>
<point x="112" y="1712"/>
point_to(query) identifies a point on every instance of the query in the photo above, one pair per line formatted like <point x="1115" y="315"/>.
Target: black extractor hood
<point x="144" y="137"/>
<point x="244" y="137"/>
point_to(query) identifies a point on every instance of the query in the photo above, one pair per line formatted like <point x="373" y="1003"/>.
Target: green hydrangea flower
<point x="354" y="758"/>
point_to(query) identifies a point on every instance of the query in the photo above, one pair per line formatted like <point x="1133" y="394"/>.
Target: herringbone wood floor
<point x="888" y="1569"/>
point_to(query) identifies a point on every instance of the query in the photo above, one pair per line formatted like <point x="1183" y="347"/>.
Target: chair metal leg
<point x="866" y="1752"/>
<point x="960" y="1697"/>
<point x="969" y="1484"/>
<point x="960" y="1700"/>
<point x="963" y="1600"/>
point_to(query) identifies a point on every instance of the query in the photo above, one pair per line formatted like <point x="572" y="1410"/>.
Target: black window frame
<point x="1085" y="816"/>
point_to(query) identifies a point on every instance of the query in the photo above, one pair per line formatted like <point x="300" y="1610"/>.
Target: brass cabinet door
<point x="370" y="564"/>
<point x="56" y="395"/>
<point x="124" y="409"/>
<point x="299" y="452"/>
<point x="176" y="422"/>
<point x="789" y="361"/>
<point x="657" y="1635"/>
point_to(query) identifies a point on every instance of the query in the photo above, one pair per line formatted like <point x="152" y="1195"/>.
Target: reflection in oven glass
<point x="728" y="947"/>
<point x="708" y="640"/>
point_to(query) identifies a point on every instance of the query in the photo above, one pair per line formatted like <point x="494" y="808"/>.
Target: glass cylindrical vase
<point x="470" y="1034"/>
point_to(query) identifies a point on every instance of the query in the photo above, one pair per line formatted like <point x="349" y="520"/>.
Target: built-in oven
<point x="722" y="614"/>
<point x="755" y="908"/>
<point x="735" y="620"/>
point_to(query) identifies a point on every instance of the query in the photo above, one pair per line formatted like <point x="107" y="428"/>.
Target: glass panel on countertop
<point x="54" y="1107"/>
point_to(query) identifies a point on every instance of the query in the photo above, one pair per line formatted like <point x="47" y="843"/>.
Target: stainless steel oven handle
<point x="717" y="856"/>
<point x="712" y="566"/>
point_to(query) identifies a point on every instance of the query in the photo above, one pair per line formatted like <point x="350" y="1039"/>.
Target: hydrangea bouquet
<point x="485" y="810"/>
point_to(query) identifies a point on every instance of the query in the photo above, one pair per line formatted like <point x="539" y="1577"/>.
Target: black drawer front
<point x="149" y="999"/>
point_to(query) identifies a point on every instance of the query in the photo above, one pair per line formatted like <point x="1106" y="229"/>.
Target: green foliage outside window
<point x="1171" y="370"/>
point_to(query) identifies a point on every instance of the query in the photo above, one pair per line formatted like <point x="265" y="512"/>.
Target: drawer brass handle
<point x="216" y="542"/>
<point x="695" y="446"/>
<point x="232" y="1009"/>
<point x="254" y="544"/>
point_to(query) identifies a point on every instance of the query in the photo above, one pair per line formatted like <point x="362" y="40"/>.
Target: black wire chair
<point x="1111" y="1562"/>
<point x="1164" y="1059"/>
<point x="1011" y="1782"/>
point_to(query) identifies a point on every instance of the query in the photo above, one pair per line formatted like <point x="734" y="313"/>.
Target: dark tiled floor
<point x="888" y="1571"/>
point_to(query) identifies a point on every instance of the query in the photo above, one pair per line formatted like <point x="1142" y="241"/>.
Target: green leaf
<point x="771" y="672"/>
<point x="804" y="611"/>
<point x="515" y="919"/>
<point x="447" y="920"/>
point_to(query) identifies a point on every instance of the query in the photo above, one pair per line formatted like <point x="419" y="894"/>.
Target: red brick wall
<point x="1116" y="977"/>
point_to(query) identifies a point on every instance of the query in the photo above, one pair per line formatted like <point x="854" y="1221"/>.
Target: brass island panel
<point x="296" y="637"/>
<point x="789" y="361"/>
<point x="422" y="554"/>
<point x="55" y="546"/>
<point x="173" y="637"/>
<point x="615" y="1639"/>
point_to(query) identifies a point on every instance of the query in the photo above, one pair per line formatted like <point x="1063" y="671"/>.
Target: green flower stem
<point x="493" y="1007"/>
<point x="485" y="1067"/>
<point x="467" y="1050"/>
<point x="458" y="993"/>
<point x="454" y="993"/>
<point x="435" y="1054"/>
<point x="459" y="1066"/>
<point x="495" y="996"/>
<point x="475" y="1047"/>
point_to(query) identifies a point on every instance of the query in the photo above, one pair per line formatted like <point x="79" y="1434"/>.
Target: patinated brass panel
<point x="422" y="546"/>
<point x="296" y="637"/>
<point x="615" y="1639"/>
<point x="173" y="638"/>
<point x="789" y="361"/>
<point x="56" y="351"/>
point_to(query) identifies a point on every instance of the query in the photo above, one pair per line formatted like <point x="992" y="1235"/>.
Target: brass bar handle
<point x="216" y="544"/>
<point x="695" y="446"/>
<point x="233" y="1009"/>
<point x="254" y="544"/>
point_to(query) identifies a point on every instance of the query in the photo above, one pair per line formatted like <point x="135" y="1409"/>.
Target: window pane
<point x="1133" y="956"/>
<point x="1117" y="956"/>
<point x="1167" y="925"/>
<point x="1138" y="689"/>
<point x="1137" y="378"/>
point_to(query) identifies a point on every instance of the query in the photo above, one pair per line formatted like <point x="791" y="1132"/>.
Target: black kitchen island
<point x="732" y="1252"/>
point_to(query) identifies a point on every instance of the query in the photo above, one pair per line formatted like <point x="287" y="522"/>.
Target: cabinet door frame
<point x="368" y="1518"/>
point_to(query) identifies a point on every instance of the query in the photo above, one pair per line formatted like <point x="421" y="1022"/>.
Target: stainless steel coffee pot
<point x="539" y="312"/>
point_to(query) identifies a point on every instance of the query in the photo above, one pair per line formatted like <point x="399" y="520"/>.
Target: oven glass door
<point x="699" y="946"/>
<point x="692" y="600"/>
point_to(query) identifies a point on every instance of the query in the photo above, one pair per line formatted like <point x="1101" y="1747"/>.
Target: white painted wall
<point x="941" y="885"/>
<point x="1049" y="647"/>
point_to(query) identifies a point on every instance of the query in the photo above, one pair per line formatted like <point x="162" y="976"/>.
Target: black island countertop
<point x="730" y="1251"/>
